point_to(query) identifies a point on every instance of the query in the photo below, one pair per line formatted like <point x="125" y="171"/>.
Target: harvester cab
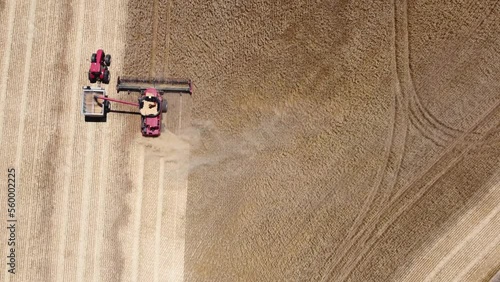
<point x="149" y="106"/>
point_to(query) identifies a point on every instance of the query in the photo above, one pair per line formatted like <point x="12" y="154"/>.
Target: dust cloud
<point x="204" y="144"/>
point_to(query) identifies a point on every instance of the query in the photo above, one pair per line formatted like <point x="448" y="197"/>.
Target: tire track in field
<point x="137" y="213"/>
<point x="395" y="148"/>
<point x="140" y="42"/>
<point x="105" y="167"/>
<point x="180" y="211"/>
<point x="6" y="63"/>
<point x="159" y="213"/>
<point x="88" y="170"/>
<point x="360" y="235"/>
<point x="152" y="225"/>
<point x="428" y="125"/>
<point x="139" y="241"/>
<point x="71" y="138"/>
<point x="371" y="235"/>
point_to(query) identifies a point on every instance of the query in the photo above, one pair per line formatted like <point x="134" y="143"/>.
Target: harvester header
<point x="161" y="85"/>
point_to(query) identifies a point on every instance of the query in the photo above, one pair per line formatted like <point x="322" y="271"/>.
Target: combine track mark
<point x="137" y="219"/>
<point x="84" y="215"/>
<point x="430" y="127"/>
<point x="395" y="150"/>
<point x="159" y="213"/>
<point x="180" y="115"/>
<point x="6" y="63"/>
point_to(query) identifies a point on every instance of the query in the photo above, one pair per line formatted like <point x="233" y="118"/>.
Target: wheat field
<point x="324" y="141"/>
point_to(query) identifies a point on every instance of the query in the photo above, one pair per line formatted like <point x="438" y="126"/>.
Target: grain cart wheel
<point x="164" y="106"/>
<point x="107" y="106"/>
<point x="107" y="60"/>
<point x="106" y="76"/>
<point x="93" y="58"/>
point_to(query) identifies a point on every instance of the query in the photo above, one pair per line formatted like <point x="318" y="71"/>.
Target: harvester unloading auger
<point x="151" y="103"/>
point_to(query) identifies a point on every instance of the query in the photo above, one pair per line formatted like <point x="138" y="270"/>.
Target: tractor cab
<point x="149" y="106"/>
<point x="95" y="68"/>
<point x="99" y="63"/>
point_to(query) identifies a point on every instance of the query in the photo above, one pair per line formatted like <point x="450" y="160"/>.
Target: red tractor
<point x="99" y="63"/>
<point x="151" y="104"/>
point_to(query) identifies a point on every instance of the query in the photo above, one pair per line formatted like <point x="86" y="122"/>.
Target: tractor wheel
<point x="106" y="76"/>
<point x="91" y="79"/>
<point x="93" y="58"/>
<point x="107" y="60"/>
<point x="164" y="106"/>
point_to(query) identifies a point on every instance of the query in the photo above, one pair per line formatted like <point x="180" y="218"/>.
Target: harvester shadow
<point x="96" y="119"/>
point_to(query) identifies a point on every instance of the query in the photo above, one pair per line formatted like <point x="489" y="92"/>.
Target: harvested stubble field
<point x="325" y="141"/>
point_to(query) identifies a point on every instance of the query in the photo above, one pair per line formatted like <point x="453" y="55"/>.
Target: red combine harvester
<point x="151" y="104"/>
<point x="99" y="63"/>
